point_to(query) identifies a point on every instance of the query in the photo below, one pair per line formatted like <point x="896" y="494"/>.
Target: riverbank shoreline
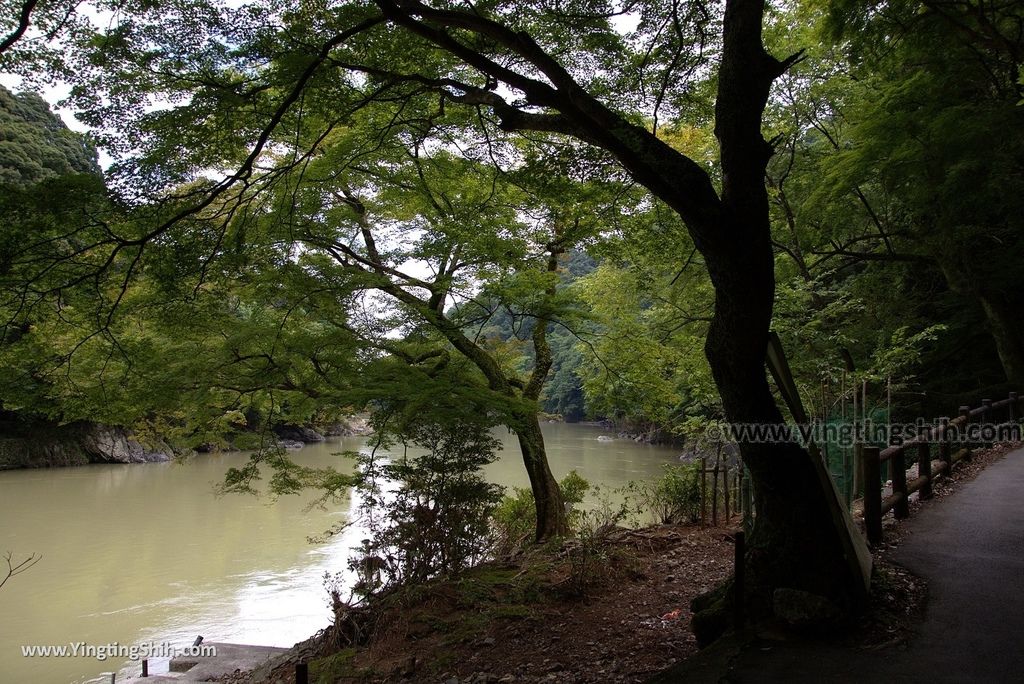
<point x="240" y="568"/>
<point x="547" y="615"/>
<point x="513" y="621"/>
<point x="43" y="444"/>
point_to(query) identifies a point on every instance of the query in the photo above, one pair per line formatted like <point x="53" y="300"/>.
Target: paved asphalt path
<point x="970" y="547"/>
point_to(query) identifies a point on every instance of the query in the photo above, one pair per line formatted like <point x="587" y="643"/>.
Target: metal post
<point x="864" y="407"/>
<point x="301" y="673"/>
<point x="748" y="503"/>
<point x="145" y="667"/>
<point x="703" y="489"/>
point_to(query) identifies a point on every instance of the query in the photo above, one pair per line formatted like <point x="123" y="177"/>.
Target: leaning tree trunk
<point x="795" y="543"/>
<point x="551" y="518"/>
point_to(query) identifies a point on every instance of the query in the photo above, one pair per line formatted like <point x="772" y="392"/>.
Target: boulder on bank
<point x="297" y="433"/>
<point x="107" y="444"/>
<point x="353" y="426"/>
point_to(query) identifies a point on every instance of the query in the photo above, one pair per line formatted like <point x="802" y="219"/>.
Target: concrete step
<point x="230" y="657"/>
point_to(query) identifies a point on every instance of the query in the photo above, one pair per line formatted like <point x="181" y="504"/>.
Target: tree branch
<point x="15" y="35"/>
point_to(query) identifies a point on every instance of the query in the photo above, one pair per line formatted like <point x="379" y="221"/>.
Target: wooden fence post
<point x="898" y="468"/>
<point x="872" y="475"/>
<point x="945" y="447"/>
<point x="858" y="469"/>
<point x="301" y="673"/>
<point x="965" y="413"/>
<point x="703" y="490"/>
<point x="924" y="469"/>
<point x="714" y="496"/>
<point x="738" y="590"/>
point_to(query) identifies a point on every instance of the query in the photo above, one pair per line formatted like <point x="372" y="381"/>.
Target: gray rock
<point x="45" y="445"/>
<point x="804" y="609"/>
<point x="108" y="444"/>
<point x="483" y="678"/>
<point x="350" y="426"/>
<point x="298" y="433"/>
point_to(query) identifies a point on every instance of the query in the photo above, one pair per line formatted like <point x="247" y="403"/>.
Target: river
<point x="133" y="554"/>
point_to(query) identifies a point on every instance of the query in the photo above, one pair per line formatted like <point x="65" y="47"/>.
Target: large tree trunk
<point x="551" y="518"/>
<point x="1002" y="320"/>
<point x="1006" y="331"/>
<point x="795" y="543"/>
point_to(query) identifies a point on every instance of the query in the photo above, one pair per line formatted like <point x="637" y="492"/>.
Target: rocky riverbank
<point x="47" y="445"/>
<point x="39" y="443"/>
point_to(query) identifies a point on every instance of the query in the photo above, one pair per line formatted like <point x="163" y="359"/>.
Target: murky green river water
<point x="148" y="553"/>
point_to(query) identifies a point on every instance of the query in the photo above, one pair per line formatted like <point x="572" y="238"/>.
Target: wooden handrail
<point x="875" y="507"/>
<point x="936" y="432"/>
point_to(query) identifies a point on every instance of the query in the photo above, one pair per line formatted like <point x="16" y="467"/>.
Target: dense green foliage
<point x="427" y="512"/>
<point x="873" y="278"/>
<point x="598" y="210"/>
<point x="36" y="145"/>
<point x="514" y="517"/>
<point x="672" y="498"/>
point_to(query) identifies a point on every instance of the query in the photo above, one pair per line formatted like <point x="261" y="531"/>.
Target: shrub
<point x="672" y="498"/>
<point x="428" y="514"/>
<point x="515" y="518"/>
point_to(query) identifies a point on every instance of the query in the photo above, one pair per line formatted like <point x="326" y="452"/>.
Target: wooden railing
<point x="920" y="450"/>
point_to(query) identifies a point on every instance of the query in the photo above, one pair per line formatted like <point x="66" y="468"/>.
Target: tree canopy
<point x="601" y="209"/>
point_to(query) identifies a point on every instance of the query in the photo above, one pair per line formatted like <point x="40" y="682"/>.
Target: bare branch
<point x="14" y="569"/>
